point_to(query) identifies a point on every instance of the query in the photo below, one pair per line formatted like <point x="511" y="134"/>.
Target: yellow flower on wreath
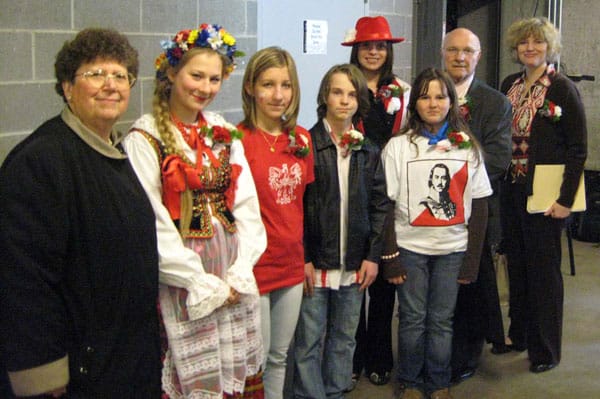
<point x="193" y="36"/>
<point x="227" y="38"/>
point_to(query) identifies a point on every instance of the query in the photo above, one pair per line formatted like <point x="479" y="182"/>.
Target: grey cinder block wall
<point x="32" y="32"/>
<point x="579" y="56"/>
<point x="399" y="14"/>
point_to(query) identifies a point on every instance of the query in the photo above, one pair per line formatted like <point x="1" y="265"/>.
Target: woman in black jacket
<point x="79" y="264"/>
<point x="549" y="127"/>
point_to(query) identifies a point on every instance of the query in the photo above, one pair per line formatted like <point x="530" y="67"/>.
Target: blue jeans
<point x="279" y="315"/>
<point x="324" y="342"/>
<point x="426" y="306"/>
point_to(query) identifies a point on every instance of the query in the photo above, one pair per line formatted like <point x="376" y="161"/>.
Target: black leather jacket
<point x="367" y="206"/>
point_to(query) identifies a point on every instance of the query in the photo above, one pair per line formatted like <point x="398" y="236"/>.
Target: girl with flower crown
<point x="280" y="156"/>
<point x="548" y="127"/>
<point x="345" y="208"/>
<point x="373" y="53"/>
<point x="434" y="157"/>
<point x="191" y="164"/>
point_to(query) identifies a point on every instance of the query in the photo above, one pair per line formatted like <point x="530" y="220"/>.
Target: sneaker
<point x="379" y="379"/>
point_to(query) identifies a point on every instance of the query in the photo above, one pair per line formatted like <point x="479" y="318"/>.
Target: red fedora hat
<point x="370" y="29"/>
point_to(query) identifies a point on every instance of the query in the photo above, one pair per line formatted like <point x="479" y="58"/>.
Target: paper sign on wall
<point x="315" y="37"/>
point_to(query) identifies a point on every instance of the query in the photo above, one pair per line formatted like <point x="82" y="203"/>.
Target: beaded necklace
<point x="190" y="131"/>
<point x="193" y="136"/>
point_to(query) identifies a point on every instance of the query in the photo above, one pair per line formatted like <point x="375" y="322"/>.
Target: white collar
<point x="463" y="87"/>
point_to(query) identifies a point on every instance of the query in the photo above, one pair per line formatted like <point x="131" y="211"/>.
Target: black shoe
<point x="517" y="347"/>
<point x="541" y="367"/>
<point x="462" y="375"/>
<point x="500" y="349"/>
<point x="379" y="379"/>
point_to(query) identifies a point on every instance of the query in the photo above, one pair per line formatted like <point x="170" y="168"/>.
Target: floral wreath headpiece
<point x="208" y="36"/>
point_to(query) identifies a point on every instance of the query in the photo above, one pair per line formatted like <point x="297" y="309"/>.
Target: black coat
<point x="562" y="142"/>
<point x="367" y="206"/>
<point x="490" y="120"/>
<point x="79" y="267"/>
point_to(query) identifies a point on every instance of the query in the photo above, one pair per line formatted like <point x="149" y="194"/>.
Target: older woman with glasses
<point x="79" y="265"/>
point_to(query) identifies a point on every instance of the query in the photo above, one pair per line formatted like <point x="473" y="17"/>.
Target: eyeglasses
<point x="469" y="52"/>
<point x="379" y="45"/>
<point x="99" y="78"/>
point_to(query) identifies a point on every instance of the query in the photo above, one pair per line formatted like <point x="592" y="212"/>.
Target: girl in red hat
<point x="373" y="53"/>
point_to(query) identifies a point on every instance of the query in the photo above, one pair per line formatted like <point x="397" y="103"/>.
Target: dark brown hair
<point x="386" y="75"/>
<point x="91" y="44"/>
<point x="420" y="86"/>
<point x="359" y="82"/>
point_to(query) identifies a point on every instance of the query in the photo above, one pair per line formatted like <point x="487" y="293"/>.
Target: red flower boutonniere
<point x="352" y="140"/>
<point x="465" y="104"/>
<point x="390" y="96"/>
<point x="454" y="140"/>
<point x="222" y="134"/>
<point x="298" y="144"/>
<point x="551" y="110"/>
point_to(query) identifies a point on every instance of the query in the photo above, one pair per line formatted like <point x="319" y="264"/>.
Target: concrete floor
<point x="507" y="376"/>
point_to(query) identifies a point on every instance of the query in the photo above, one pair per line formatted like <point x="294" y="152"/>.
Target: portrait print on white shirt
<point x="435" y="198"/>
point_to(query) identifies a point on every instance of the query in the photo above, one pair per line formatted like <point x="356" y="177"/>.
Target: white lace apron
<point x="214" y="354"/>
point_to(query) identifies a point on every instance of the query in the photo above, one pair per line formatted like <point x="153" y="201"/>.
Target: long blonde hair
<point x="162" y="116"/>
<point x="270" y="57"/>
<point x="162" y="93"/>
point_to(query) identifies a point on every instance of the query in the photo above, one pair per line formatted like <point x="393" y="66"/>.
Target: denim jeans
<point x="279" y="311"/>
<point x="324" y="342"/>
<point x="426" y="306"/>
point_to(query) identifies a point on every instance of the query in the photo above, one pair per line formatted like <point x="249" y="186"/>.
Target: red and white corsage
<point x="454" y="140"/>
<point x="390" y="95"/>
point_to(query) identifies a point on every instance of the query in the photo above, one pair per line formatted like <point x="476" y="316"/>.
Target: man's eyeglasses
<point x="99" y="78"/>
<point x="469" y="52"/>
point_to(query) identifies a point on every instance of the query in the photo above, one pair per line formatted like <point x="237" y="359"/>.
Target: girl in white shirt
<point x="210" y="234"/>
<point x="436" y="176"/>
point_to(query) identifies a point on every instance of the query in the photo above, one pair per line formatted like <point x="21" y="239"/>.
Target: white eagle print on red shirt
<point x="284" y="181"/>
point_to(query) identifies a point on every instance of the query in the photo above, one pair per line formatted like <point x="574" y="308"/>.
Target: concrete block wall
<point x="581" y="47"/>
<point x="581" y="42"/>
<point x="399" y="14"/>
<point x="32" y="32"/>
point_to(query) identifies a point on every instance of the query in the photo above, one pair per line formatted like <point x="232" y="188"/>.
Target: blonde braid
<point x="162" y="118"/>
<point x="162" y="114"/>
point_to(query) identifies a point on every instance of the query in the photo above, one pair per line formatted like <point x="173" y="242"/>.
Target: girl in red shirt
<point x="279" y="153"/>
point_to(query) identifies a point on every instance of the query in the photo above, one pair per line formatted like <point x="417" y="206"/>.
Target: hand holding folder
<point x="547" y="180"/>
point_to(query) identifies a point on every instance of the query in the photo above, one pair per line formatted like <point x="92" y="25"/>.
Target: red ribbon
<point x="174" y="176"/>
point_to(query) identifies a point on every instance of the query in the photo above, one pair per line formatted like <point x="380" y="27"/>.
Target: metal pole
<point x="555" y="16"/>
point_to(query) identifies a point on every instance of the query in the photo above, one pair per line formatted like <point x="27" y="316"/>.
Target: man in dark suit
<point x="478" y="316"/>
